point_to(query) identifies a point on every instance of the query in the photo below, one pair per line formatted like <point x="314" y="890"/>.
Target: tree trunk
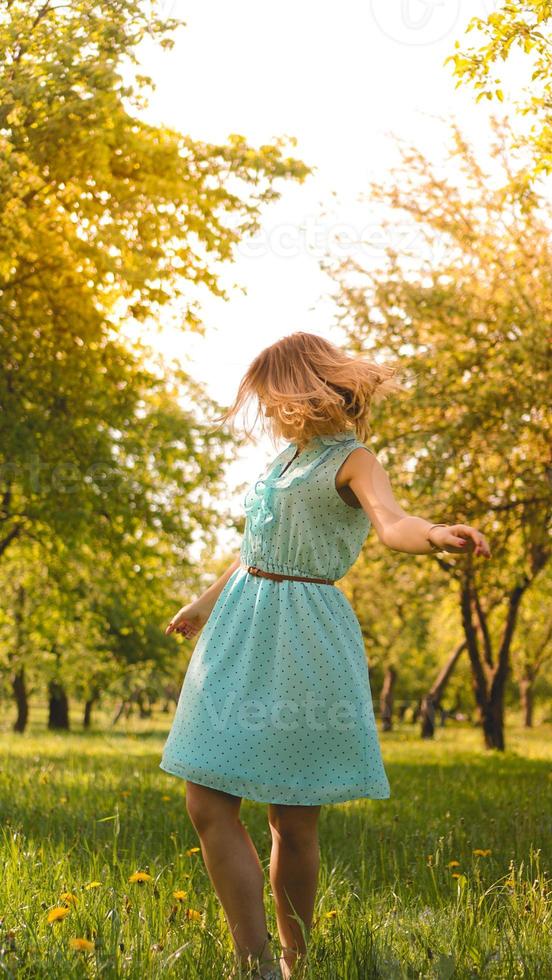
<point x="492" y="720"/>
<point x="19" y="689"/>
<point x="526" y="696"/>
<point x="58" y="716"/>
<point x="16" y="660"/>
<point x="429" y="706"/>
<point x="432" y="699"/>
<point x="144" y="709"/>
<point x="88" y="705"/>
<point x="124" y="708"/>
<point x="386" y="699"/>
<point x="489" y="674"/>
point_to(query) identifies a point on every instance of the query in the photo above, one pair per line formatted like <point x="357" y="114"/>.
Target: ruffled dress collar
<point x="258" y="500"/>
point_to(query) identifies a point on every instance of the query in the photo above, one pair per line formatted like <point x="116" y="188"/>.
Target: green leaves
<point x="515" y="27"/>
<point x="466" y="305"/>
<point x="106" y="220"/>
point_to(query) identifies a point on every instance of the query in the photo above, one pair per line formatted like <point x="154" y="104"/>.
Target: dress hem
<point x="247" y="790"/>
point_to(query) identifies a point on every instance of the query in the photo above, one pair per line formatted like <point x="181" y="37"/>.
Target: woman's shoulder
<point x="345" y="446"/>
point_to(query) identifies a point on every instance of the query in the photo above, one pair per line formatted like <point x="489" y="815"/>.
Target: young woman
<point x="276" y="703"/>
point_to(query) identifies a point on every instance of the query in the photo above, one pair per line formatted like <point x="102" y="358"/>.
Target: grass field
<point x="403" y="892"/>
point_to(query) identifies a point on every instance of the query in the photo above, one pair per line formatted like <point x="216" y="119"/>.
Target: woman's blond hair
<point x="310" y="387"/>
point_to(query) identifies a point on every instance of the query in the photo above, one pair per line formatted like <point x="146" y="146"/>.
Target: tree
<point x="142" y="211"/>
<point x="387" y="698"/>
<point x="432" y="700"/>
<point x="532" y="649"/>
<point x="396" y="624"/>
<point x="523" y="26"/>
<point x="467" y="310"/>
<point x="80" y="623"/>
<point x="16" y="660"/>
<point x="104" y="220"/>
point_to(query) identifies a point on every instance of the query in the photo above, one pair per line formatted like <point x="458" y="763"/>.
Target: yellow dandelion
<point x="58" y="913"/>
<point x="84" y="945"/>
<point x="139" y="877"/>
<point x="68" y="897"/>
<point x="166" y="799"/>
<point x="191" y="850"/>
<point x="193" y="914"/>
<point x="456" y="874"/>
<point x="482" y="851"/>
<point x="453" y="864"/>
<point x="125" y="792"/>
<point x="331" y="915"/>
<point x="179" y="895"/>
<point x="92" y="884"/>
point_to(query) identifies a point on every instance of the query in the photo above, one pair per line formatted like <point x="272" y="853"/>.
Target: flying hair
<point x="304" y="386"/>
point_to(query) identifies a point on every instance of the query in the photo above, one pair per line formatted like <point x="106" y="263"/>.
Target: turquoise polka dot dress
<point x="276" y="703"/>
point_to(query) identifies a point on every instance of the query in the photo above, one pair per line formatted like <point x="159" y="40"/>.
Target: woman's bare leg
<point x="294" y="864"/>
<point x="233" y="866"/>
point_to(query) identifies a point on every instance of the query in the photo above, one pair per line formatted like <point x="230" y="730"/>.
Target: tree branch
<point x="503" y="661"/>
<point x="487" y="646"/>
<point x="480" y="679"/>
<point x="11" y="536"/>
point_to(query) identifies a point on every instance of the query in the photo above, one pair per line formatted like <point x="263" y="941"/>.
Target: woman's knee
<point x="209" y="807"/>
<point x="296" y="827"/>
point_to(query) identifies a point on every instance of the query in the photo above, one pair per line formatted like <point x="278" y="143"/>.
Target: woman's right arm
<point x="191" y="618"/>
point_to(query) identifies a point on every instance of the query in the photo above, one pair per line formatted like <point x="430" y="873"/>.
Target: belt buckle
<point x="253" y="570"/>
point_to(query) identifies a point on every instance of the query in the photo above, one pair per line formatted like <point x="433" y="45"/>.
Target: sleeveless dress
<point x="276" y="703"/>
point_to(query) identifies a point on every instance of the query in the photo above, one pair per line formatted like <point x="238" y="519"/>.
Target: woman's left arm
<point x="368" y="480"/>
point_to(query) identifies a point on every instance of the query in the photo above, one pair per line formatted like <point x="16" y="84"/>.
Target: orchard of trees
<point x="110" y="466"/>
<point x="468" y="310"/>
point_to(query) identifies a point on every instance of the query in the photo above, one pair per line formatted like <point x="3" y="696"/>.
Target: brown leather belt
<point x="278" y="577"/>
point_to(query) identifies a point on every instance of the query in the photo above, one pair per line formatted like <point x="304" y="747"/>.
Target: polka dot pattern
<point x="276" y="703"/>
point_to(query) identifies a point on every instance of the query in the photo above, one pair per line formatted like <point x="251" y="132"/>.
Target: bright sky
<point x="341" y="78"/>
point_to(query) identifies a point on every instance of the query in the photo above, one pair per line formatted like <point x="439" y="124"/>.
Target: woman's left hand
<point x="460" y="539"/>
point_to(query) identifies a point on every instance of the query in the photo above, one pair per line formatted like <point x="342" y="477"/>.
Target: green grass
<point x="80" y="808"/>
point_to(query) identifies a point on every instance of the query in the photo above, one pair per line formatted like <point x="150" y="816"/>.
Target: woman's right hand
<point x="188" y="620"/>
